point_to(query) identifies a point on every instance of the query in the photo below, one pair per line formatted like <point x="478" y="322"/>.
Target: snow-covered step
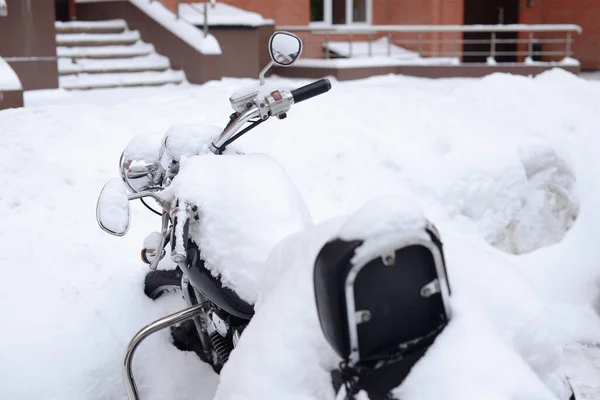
<point x="99" y="52"/>
<point x="152" y="62"/>
<point x="97" y="81"/>
<point x="97" y="39"/>
<point x="110" y="26"/>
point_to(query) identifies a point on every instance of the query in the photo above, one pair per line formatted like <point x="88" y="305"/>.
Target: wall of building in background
<point x="27" y="33"/>
<point x="397" y="12"/>
<point x="384" y="12"/>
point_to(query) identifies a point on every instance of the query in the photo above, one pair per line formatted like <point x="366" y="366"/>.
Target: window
<point x="342" y="12"/>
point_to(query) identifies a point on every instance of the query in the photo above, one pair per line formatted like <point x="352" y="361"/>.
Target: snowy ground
<point x="502" y="161"/>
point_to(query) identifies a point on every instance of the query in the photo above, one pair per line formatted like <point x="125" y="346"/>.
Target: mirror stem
<point x="264" y="71"/>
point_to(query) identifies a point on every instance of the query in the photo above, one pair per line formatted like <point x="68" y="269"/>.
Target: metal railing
<point x="453" y="47"/>
<point x="193" y="6"/>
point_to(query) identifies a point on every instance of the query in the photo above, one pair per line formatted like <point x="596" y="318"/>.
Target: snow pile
<point x="382" y="224"/>
<point x="494" y="347"/>
<point x="422" y="139"/>
<point x="248" y="204"/>
<point x="8" y="78"/>
<point x="221" y="14"/>
<point x="182" y="29"/>
<point x="521" y="201"/>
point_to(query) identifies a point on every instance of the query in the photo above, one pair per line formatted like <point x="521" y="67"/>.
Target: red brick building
<point x="585" y="13"/>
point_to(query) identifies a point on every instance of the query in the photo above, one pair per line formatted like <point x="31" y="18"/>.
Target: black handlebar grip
<point x="311" y="90"/>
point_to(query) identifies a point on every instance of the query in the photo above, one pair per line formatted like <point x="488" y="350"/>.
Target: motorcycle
<point x="200" y="196"/>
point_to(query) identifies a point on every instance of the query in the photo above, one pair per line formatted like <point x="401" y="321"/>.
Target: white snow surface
<point x="8" y="78"/>
<point x="235" y="237"/>
<point x="495" y="347"/>
<point x="379" y="47"/>
<point x="72" y="38"/>
<point x="375" y="61"/>
<point x="137" y="49"/>
<point x="148" y="62"/>
<point x="107" y="24"/>
<point x="221" y="14"/>
<point x="527" y="159"/>
<point x="179" y="27"/>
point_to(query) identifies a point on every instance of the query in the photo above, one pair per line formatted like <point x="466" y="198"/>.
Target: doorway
<point x="490" y="12"/>
<point x="65" y="10"/>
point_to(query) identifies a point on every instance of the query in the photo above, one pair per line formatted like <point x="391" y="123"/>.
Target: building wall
<point x="384" y="12"/>
<point x="30" y="27"/>
<point x="585" y="13"/>
<point x="397" y="12"/>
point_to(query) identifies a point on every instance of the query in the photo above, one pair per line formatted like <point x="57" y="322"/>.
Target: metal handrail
<point x="362" y="29"/>
<point x="388" y="30"/>
<point x="203" y="11"/>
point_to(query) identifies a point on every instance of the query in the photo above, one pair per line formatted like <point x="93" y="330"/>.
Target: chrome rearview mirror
<point x="284" y="48"/>
<point x="138" y="163"/>
<point x="112" y="210"/>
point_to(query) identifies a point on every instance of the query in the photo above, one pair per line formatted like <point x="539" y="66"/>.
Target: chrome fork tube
<point x="128" y="378"/>
<point x="163" y="238"/>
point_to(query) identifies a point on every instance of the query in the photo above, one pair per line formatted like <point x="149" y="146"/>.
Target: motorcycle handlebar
<point x="311" y="90"/>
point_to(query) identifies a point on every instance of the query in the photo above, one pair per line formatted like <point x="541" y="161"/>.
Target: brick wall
<point x="581" y="12"/>
<point x="397" y="12"/>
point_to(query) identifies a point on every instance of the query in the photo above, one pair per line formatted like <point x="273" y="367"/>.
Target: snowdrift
<point x="504" y="161"/>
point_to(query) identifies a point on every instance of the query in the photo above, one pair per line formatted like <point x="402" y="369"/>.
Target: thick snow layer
<point x="83" y="25"/>
<point x="179" y="27"/>
<point x="149" y="62"/>
<point x="88" y="81"/>
<point x="8" y="78"/>
<point x="421" y="139"/>
<point x="221" y="14"/>
<point x="137" y="49"/>
<point x="236" y="236"/>
<point x="494" y="347"/>
<point x="74" y="38"/>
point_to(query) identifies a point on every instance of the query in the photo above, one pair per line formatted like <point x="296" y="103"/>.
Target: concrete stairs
<point x="106" y="54"/>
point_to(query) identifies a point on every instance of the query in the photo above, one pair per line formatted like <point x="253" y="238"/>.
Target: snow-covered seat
<point x="382" y="295"/>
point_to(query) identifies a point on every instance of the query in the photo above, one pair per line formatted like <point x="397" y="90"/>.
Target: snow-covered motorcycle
<point x="219" y="225"/>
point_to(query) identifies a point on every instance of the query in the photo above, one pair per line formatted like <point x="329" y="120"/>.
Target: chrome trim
<point x="218" y="323"/>
<point x="349" y="292"/>
<point x="266" y="69"/>
<point x="431" y="288"/>
<point x="147" y="193"/>
<point x="233" y="128"/>
<point x="165" y="322"/>
<point x="163" y="238"/>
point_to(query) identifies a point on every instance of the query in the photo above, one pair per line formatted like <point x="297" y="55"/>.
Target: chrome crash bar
<point x="180" y="316"/>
